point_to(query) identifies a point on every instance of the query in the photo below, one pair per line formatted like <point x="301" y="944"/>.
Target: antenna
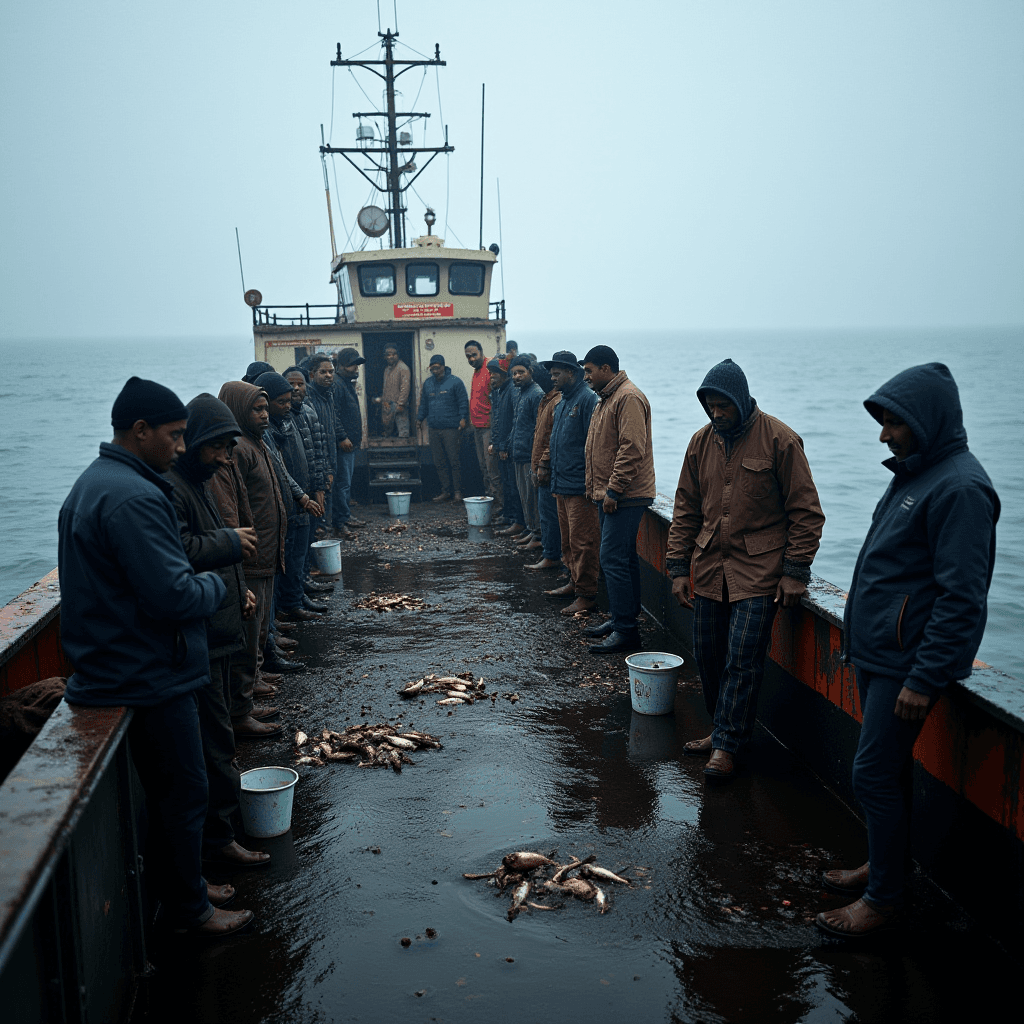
<point x="501" y="241"/>
<point x="327" y="192"/>
<point x="483" y="96"/>
<point x="240" y="270"/>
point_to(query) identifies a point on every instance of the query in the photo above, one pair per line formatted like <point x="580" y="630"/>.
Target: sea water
<point x="55" y="410"/>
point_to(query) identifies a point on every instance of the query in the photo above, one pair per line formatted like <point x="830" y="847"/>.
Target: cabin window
<point x="421" y="278"/>
<point x="466" y="279"/>
<point x="376" y="279"/>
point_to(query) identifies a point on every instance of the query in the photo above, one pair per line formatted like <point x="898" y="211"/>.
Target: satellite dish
<point x="253" y="297"/>
<point x="373" y="221"/>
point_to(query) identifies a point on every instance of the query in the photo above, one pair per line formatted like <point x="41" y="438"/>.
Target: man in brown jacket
<point x="747" y="523"/>
<point x="248" y="494"/>
<point x="394" y="398"/>
<point x="620" y="481"/>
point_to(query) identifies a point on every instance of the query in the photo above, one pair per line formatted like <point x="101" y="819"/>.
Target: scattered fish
<point x="519" y="895"/>
<point x="566" y="868"/>
<point x="593" y="871"/>
<point x="452" y="700"/>
<point x="301" y="739"/>
<point x="367" y="746"/>
<point x="390" y="602"/>
<point x="525" y="860"/>
<point x="603" y="903"/>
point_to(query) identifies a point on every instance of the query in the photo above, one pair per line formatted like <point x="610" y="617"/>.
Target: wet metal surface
<point x="717" y="927"/>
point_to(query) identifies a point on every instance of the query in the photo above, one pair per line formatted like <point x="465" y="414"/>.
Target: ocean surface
<point x="55" y="410"/>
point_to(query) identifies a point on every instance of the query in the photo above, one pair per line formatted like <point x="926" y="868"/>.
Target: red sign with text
<point x="423" y="310"/>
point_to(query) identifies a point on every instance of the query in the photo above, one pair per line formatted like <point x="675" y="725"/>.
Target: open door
<point x="373" y="382"/>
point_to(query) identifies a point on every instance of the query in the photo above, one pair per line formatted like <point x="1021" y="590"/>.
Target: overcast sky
<point x="718" y="164"/>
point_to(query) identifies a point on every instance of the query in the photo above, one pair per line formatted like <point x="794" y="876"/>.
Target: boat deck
<point x="717" y="926"/>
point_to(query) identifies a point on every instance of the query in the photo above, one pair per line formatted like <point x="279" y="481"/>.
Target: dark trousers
<point x="882" y="782"/>
<point x="513" y="508"/>
<point x="730" y="643"/>
<point x="342" y="490"/>
<point x="527" y="495"/>
<point x="444" y="450"/>
<point x="621" y="565"/>
<point x="218" y="753"/>
<point x="288" y="592"/>
<point x="550" y="531"/>
<point x="167" y="750"/>
<point x="246" y="665"/>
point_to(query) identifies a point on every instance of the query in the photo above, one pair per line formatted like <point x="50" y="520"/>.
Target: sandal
<point x="869" y="924"/>
<point x="844" y="881"/>
<point x="693" y="748"/>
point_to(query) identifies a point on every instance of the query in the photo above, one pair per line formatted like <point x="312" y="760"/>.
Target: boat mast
<point x="392" y="170"/>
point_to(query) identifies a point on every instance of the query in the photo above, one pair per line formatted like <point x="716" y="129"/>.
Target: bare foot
<point x="218" y="895"/>
<point x="698" y="748"/>
<point x="848" y="880"/>
<point x="854" y="921"/>
<point x="224" y="922"/>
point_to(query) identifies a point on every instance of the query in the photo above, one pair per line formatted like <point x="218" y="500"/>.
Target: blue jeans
<point x="167" y="749"/>
<point x="288" y="592"/>
<point x="340" y="512"/>
<point x="882" y="782"/>
<point x="513" y="509"/>
<point x="550" y="532"/>
<point x="621" y="565"/>
<point x="730" y="643"/>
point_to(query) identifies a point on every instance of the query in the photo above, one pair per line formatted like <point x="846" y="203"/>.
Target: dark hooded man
<point x="914" y="619"/>
<point x="444" y="404"/>
<point x="747" y="523"/>
<point x="133" y="623"/>
<point x="248" y="494"/>
<point x="209" y="545"/>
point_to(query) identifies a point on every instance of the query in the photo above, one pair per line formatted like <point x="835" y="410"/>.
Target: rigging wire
<point x="501" y="242"/>
<point x="363" y="91"/>
<point x="330" y="134"/>
<point x="447" y="156"/>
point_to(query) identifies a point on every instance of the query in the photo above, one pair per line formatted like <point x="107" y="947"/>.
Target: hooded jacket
<point x="525" y="422"/>
<point x="569" y="430"/>
<point x="247" y="491"/>
<point x="133" y="612"/>
<point x="444" y="402"/>
<point x="208" y="544"/>
<point x="919" y="599"/>
<point x="620" y="458"/>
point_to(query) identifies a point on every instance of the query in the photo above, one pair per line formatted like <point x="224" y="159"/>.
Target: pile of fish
<point x="390" y="602"/>
<point x="520" y="870"/>
<point x="457" y="689"/>
<point x="395" y="527"/>
<point x="364" y="745"/>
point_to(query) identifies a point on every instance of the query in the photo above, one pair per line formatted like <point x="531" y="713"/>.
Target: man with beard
<point x="445" y="406"/>
<point x="348" y="425"/>
<point x="394" y="398"/>
<point x="746" y="526"/>
<point x="480" y="424"/>
<point x="248" y="494"/>
<point x="209" y="545"/>
<point x="133" y="624"/>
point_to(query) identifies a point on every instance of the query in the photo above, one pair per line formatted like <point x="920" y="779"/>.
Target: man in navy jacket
<point x="133" y="623"/>
<point x="914" y="618"/>
<point x="444" y="404"/>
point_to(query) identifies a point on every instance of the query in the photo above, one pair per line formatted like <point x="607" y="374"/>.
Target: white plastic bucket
<point x="652" y="681"/>
<point x="399" y="502"/>
<point x="327" y="555"/>
<point x="478" y="510"/>
<point x="266" y="801"/>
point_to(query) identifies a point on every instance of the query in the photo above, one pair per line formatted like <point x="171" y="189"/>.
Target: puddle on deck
<point x="716" y="929"/>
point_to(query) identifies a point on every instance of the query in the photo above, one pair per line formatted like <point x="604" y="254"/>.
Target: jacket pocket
<point x="899" y="608"/>
<point x="765" y="540"/>
<point x="757" y="479"/>
<point x="704" y="537"/>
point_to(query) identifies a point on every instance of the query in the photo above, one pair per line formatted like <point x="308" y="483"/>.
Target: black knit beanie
<point x="146" y="400"/>
<point x="728" y="379"/>
<point x="273" y="383"/>
<point x="253" y="370"/>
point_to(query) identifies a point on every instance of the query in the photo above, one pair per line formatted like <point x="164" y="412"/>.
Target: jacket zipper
<point x="899" y="622"/>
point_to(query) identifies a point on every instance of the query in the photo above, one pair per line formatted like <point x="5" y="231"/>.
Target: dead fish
<point x="580" y="889"/>
<point x="603" y="903"/>
<point x="451" y="700"/>
<point x="344" y="755"/>
<point x="519" y="895"/>
<point x="461" y="694"/>
<point x="301" y="739"/>
<point x="400" y="742"/>
<point x="411" y="689"/>
<point x="593" y="871"/>
<point x="540" y="906"/>
<point x="475" y="878"/>
<point x="452" y="681"/>
<point x="309" y="760"/>
<point x="565" y="869"/>
<point x="525" y="860"/>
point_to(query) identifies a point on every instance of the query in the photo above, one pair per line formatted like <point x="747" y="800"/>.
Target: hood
<point x="728" y="379"/>
<point x="927" y="399"/>
<point x="208" y="419"/>
<point x="240" y="397"/>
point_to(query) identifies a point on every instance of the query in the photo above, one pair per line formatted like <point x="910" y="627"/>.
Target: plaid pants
<point x="730" y="643"/>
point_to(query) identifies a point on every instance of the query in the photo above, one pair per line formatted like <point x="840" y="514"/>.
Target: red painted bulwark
<point x="30" y="637"/>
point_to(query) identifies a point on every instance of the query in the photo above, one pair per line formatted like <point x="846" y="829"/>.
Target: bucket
<point x="266" y="801"/>
<point x="399" y="502"/>
<point x="478" y="510"/>
<point x="652" y="681"/>
<point x="327" y="555"/>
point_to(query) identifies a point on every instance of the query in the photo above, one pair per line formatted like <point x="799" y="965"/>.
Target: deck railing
<point x="309" y="314"/>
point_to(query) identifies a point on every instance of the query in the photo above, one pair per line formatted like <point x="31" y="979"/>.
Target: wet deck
<point x="718" y="927"/>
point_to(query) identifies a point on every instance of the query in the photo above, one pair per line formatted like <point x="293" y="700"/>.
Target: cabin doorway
<point x="373" y="380"/>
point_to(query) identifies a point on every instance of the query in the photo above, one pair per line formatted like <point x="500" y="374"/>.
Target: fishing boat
<point x="417" y="293"/>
